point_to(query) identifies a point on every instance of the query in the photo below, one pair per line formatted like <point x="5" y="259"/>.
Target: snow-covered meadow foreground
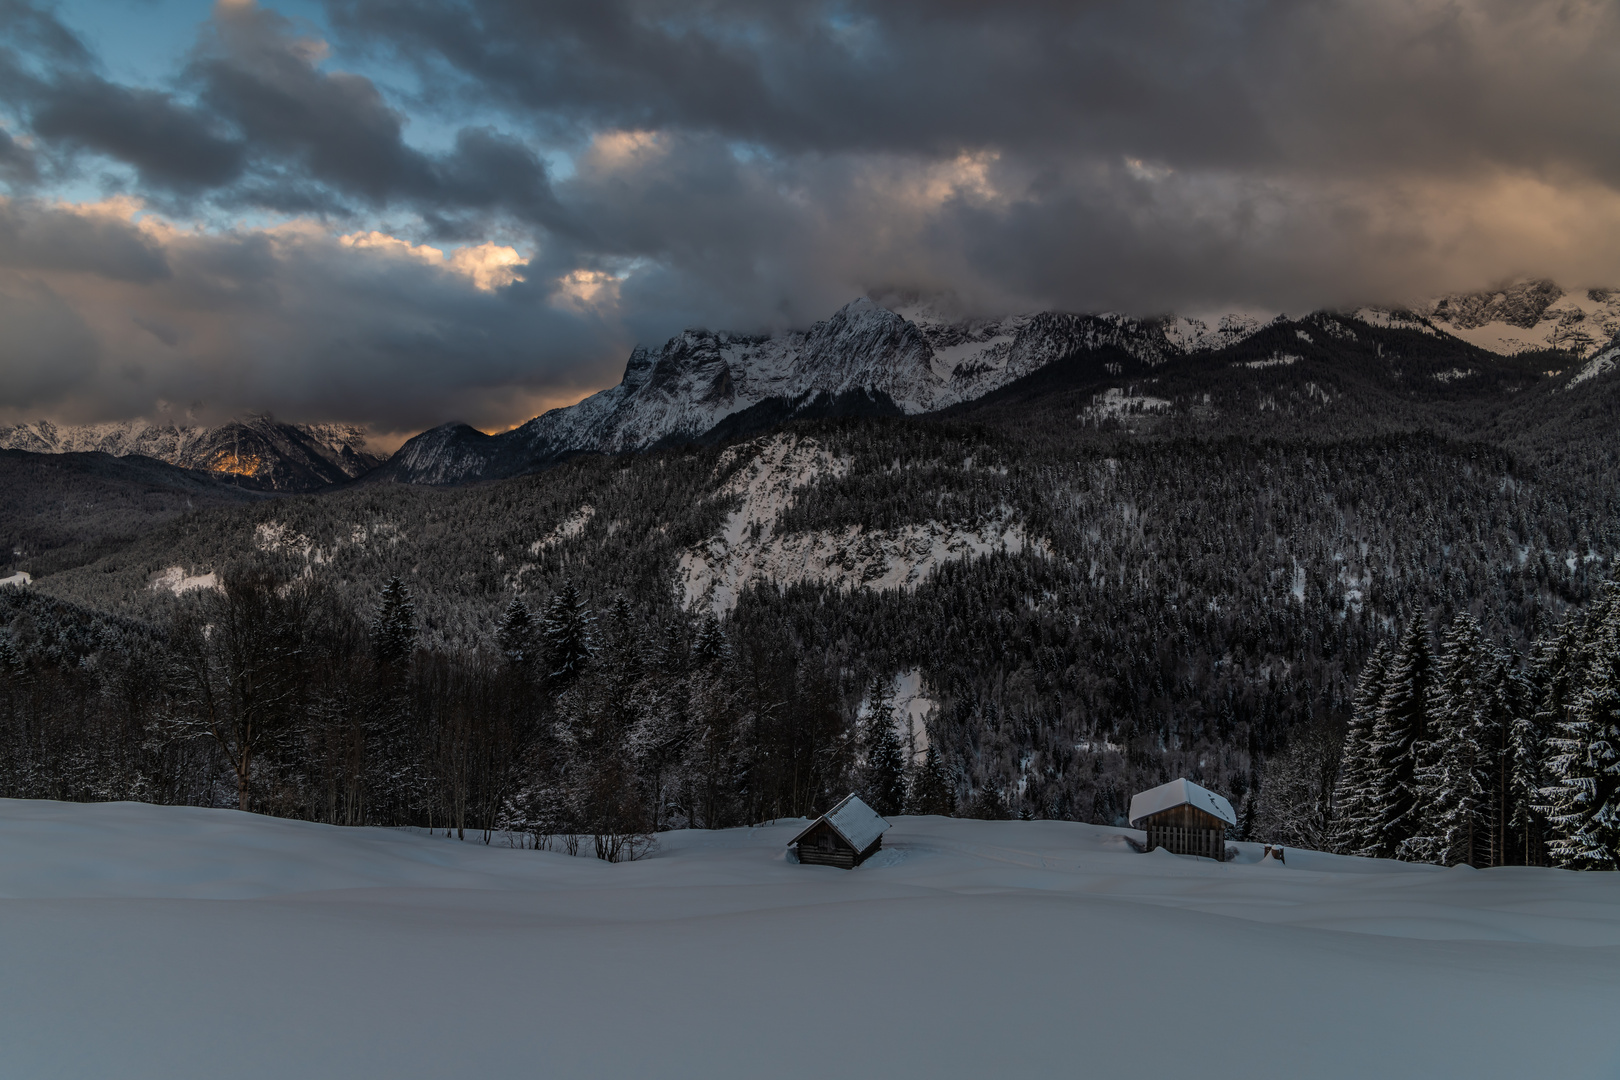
<point x="142" y="941"/>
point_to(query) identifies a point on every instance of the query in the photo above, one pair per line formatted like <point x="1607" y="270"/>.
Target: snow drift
<point x="142" y="941"/>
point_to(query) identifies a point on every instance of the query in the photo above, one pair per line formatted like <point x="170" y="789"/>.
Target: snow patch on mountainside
<point x="19" y="579"/>
<point x="748" y="546"/>
<point x="274" y="536"/>
<point x="848" y="558"/>
<point x="1114" y="403"/>
<point x="1395" y="319"/>
<point x="1601" y="364"/>
<point x="1195" y="335"/>
<point x="913" y="706"/>
<point x="1276" y="359"/>
<point x="177" y="581"/>
<point x="570" y="527"/>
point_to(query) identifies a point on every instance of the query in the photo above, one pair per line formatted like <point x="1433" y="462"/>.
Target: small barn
<point x="845" y="836"/>
<point x="1183" y="818"/>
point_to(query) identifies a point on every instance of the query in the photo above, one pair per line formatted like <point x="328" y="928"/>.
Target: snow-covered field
<point x="140" y="941"/>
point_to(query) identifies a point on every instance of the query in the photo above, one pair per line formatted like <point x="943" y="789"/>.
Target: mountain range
<point x="865" y="360"/>
<point x="255" y="451"/>
<point x="871" y="360"/>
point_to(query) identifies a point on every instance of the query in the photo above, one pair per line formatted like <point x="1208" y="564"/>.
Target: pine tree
<point x="1353" y="804"/>
<point x="1452" y="796"/>
<point x="393" y="629"/>
<point x="1554" y="683"/>
<point x="565" y="630"/>
<point x="931" y="790"/>
<point x="989" y="804"/>
<point x="515" y="634"/>
<point x="1526" y="776"/>
<point x="12" y="669"/>
<point x="1583" y="805"/>
<point x="883" y="768"/>
<point x="1399" y="733"/>
<point x="710" y="646"/>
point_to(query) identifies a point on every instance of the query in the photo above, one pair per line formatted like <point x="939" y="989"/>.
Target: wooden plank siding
<point x="1186" y="830"/>
<point x="824" y="847"/>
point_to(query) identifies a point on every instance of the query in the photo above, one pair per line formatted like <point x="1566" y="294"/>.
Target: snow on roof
<point x="1179" y="793"/>
<point x="851" y="819"/>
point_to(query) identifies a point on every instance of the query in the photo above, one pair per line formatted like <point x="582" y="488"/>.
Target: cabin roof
<point x="1179" y="793"/>
<point x="854" y="821"/>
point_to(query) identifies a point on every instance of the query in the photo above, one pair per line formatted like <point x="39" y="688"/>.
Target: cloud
<point x="289" y="318"/>
<point x="605" y="173"/>
<point x="168" y="144"/>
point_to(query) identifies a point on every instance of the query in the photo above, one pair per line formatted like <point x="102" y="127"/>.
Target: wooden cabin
<point x="1184" y="819"/>
<point x="844" y="836"/>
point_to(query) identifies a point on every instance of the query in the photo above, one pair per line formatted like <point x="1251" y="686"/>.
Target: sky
<point x="400" y="213"/>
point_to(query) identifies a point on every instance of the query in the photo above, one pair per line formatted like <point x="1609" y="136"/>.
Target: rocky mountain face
<point x="256" y="451"/>
<point x="1531" y="315"/>
<point x="865" y="359"/>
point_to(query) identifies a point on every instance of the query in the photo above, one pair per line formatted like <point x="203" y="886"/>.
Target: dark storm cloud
<point x="746" y="165"/>
<point x="168" y="144"/>
<point x="301" y="322"/>
<point x="265" y="126"/>
<point x="1242" y="83"/>
<point x="254" y="72"/>
<point x="17" y="164"/>
<point x="35" y="237"/>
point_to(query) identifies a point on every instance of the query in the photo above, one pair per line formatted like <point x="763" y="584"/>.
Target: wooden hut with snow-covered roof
<point x="1183" y="818"/>
<point x="844" y="836"/>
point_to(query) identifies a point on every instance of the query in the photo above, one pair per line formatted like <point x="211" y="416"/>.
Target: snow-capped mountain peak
<point x="912" y="360"/>
<point x="1530" y="315"/>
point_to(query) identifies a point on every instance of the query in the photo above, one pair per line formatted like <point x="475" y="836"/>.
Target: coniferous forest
<point x="1386" y="628"/>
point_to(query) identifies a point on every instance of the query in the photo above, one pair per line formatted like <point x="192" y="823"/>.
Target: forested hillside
<point x="1096" y="579"/>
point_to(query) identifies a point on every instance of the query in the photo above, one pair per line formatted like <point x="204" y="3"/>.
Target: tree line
<point x="1466" y="752"/>
<point x="272" y="695"/>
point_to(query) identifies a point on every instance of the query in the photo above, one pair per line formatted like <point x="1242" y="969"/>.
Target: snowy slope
<point x="914" y="358"/>
<point x="750" y="544"/>
<point x="143" y="941"/>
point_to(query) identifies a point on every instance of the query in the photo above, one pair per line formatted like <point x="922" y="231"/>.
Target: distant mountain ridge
<point x="256" y="451"/>
<point x="865" y="358"/>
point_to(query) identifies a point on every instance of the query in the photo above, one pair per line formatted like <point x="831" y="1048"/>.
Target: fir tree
<point x="1554" y="683"/>
<point x="565" y="630"/>
<point x="710" y="647"/>
<point x="1399" y="733"/>
<point x="393" y="629"/>
<point x="1583" y="805"/>
<point x="988" y="804"/>
<point x="1451" y="795"/>
<point x="1526" y="776"/>
<point x="515" y="634"/>
<point x="883" y="768"/>
<point x="931" y="790"/>
<point x="1353" y="799"/>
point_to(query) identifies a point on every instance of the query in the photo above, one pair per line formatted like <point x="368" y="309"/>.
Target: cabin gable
<point x="831" y="839"/>
<point x="1184" y="819"/>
